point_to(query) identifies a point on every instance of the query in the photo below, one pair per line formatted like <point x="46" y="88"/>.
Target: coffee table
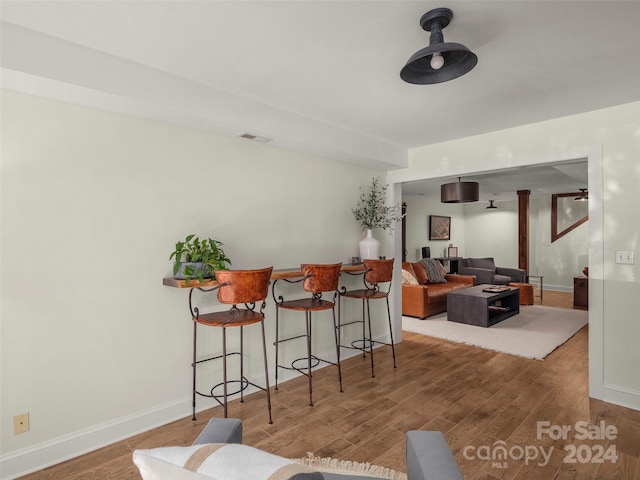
<point x="473" y="306"/>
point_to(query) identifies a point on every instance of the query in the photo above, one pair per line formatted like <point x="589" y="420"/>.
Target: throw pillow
<point x="218" y="461"/>
<point x="421" y="273"/>
<point x="433" y="270"/>
<point x="408" y="278"/>
<point x="487" y="263"/>
<point x="442" y="269"/>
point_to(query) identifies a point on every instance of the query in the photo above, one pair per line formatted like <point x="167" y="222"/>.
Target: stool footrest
<point x="315" y="361"/>
<point x="244" y="384"/>
<point x="365" y="344"/>
<point x="350" y="323"/>
<point x="217" y="357"/>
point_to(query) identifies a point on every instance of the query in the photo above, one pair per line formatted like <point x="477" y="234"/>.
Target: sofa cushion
<point x="438" y="291"/>
<point x="408" y="278"/>
<point x="435" y="270"/>
<point x="219" y="461"/>
<point x="487" y="263"/>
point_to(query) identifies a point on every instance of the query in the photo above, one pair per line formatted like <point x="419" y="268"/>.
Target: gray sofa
<point x="486" y="271"/>
<point x="427" y="454"/>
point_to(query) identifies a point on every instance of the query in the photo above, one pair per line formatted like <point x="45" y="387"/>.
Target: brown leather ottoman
<point x="526" y="292"/>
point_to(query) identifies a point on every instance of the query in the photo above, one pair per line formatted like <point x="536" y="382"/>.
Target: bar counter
<point x="276" y="275"/>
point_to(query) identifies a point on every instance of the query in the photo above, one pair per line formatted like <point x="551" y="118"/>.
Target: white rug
<point x="534" y="333"/>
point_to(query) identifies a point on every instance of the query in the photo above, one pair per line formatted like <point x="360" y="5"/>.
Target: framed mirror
<point x="567" y="213"/>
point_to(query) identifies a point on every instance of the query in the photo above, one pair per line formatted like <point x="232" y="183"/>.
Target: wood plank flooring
<point x="476" y="397"/>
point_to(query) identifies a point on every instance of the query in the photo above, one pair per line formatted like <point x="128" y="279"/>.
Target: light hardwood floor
<point x="476" y="397"/>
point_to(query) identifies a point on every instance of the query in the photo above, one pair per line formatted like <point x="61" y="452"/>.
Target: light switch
<point x="625" y="257"/>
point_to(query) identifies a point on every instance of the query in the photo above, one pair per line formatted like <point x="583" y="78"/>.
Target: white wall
<point x="478" y="232"/>
<point x="419" y="208"/>
<point x="492" y="233"/>
<point x="610" y="139"/>
<point x="93" y="345"/>
<point x="558" y="261"/>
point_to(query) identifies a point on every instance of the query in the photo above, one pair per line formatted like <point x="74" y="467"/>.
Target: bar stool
<point x="235" y="287"/>
<point x="376" y="272"/>
<point x="318" y="279"/>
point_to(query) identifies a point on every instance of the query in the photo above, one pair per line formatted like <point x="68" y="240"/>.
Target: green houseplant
<point x="198" y="258"/>
<point x="372" y="211"/>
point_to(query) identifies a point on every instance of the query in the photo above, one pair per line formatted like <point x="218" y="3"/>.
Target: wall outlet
<point x="625" y="257"/>
<point x="21" y="423"/>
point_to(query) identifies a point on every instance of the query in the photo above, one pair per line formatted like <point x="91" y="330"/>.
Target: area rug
<point x="534" y="333"/>
<point x="333" y="465"/>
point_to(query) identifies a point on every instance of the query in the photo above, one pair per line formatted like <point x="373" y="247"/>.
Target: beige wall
<point x="93" y="345"/>
<point x="611" y="140"/>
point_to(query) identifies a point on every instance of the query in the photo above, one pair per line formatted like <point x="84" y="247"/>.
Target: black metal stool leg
<point x="277" y="343"/>
<point x="338" y="331"/>
<point x="393" y="348"/>
<point x="308" y="319"/>
<point x="373" y="375"/>
<point x="364" y="333"/>
<point x="224" y="368"/>
<point x="193" y="399"/>
<point x="266" y="372"/>
<point x="241" y="363"/>
<point x="335" y="332"/>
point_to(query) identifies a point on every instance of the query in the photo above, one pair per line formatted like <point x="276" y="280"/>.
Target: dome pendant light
<point x="441" y="61"/>
<point x="491" y="205"/>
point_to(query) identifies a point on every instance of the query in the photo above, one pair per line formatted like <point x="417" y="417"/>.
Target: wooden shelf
<point x="276" y="275"/>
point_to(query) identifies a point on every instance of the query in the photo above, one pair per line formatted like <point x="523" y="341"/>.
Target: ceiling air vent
<point x="256" y="138"/>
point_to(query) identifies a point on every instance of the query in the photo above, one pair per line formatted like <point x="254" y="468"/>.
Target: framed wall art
<point x="439" y="227"/>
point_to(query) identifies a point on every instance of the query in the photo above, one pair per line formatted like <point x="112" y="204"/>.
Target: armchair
<point x="486" y="271"/>
<point x="428" y="457"/>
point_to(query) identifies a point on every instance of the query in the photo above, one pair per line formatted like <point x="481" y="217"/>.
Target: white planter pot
<point x="369" y="247"/>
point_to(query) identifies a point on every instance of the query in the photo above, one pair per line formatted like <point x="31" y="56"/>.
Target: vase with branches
<point x="372" y="212"/>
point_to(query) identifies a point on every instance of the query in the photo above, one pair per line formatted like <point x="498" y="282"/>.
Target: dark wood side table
<point x="453" y="263"/>
<point x="581" y="292"/>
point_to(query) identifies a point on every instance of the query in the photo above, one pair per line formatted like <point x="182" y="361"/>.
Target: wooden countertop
<point x="276" y="275"/>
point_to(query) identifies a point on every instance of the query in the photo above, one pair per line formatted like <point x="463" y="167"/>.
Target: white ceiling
<point x="323" y="76"/>
<point x="502" y="186"/>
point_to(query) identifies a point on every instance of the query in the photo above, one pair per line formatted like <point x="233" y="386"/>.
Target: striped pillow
<point x="218" y="461"/>
<point x="435" y="270"/>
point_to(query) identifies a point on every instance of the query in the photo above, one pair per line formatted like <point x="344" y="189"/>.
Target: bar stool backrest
<point x="243" y="286"/>
<point x="380" y="271"/>
<point x="322" y="278"/>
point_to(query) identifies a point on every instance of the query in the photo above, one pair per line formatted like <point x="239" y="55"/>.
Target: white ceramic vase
<point x="369" y="247"/>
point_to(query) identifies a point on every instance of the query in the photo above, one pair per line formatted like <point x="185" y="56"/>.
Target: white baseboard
<point x="624" y="397"/>
<point x="37" y="457"/>
<point x="556" y="288"/>
<point x="57" y="450"/>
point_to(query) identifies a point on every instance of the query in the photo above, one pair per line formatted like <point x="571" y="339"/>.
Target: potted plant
<point x="372" y="212"/>
<point x="198" y="258"/>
